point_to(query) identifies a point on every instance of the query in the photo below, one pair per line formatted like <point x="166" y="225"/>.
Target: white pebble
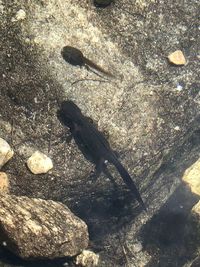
<point x="6" y="152"/>
<point x="39" y="163"/>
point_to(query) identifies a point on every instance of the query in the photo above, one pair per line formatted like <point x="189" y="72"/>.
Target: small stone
<point x="87" y="258"/>
<point x="40" y="229"/>
<point x="192" y="177"/>
<point x="4" y="182"/>
<point x="177" y="58"/>
<point x="6" y="153"/>
<point x="39" y="163"/>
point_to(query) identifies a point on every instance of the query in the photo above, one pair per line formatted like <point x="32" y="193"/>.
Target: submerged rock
<point x="4" y="182"/>
<point x="6" y="153"/>
<point x="192" y="177"/>
<point x="39" y="229"/>
<point x="196" y="220"/>
<point x="196" y="211"/>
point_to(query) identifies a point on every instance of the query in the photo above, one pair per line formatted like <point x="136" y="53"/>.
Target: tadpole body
<point x="75" y="57"/>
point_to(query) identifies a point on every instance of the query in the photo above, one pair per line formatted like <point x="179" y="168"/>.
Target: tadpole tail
<point x="98" y="68"/>
<point x="128" y="181"/>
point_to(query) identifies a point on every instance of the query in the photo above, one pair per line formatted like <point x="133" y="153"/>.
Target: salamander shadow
<point x="106" y="212"/>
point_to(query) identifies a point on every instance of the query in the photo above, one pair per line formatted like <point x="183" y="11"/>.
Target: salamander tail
<point x="128" y="181"/>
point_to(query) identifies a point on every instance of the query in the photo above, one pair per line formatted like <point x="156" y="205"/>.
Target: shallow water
<point x="170" y="236"/>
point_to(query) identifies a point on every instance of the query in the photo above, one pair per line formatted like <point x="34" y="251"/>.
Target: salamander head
<point x="69" y="112"/>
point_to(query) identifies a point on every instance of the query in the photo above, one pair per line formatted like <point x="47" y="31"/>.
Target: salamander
<point x="93" y="144"/>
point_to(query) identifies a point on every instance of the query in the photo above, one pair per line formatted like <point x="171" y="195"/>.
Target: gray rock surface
<point x="149" y="110"/>
<point x="40" y="229"/>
